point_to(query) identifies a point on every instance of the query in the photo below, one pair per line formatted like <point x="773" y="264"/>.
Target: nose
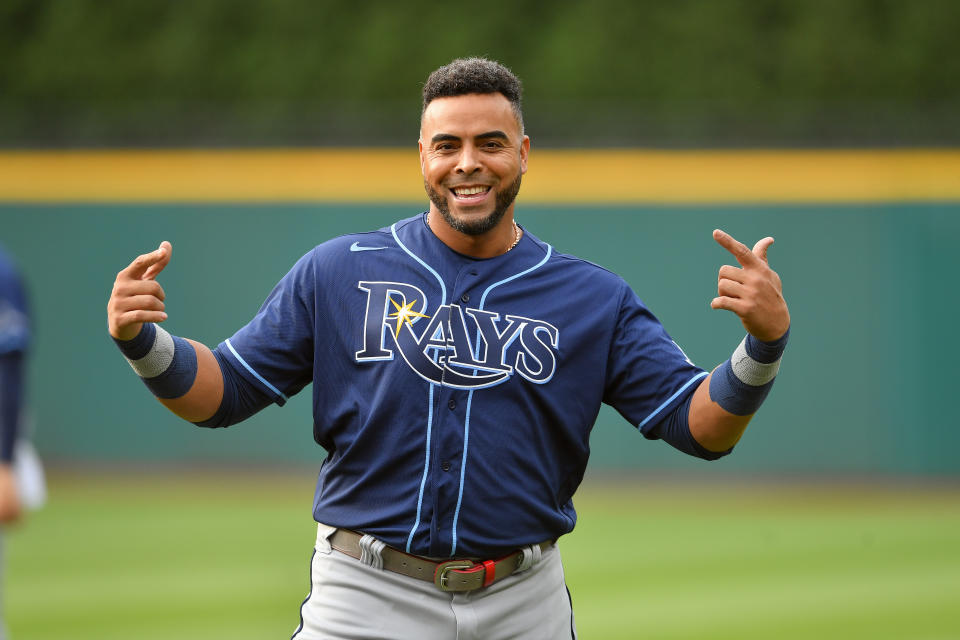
<point x="469" y="160"/>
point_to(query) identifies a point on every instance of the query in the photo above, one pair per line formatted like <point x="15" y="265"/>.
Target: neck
<point x="493" y="243"/>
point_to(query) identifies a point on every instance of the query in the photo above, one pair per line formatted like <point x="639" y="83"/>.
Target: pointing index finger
<point x="739" y="250"/>
<point x="166" y="250"/>
<point x="148" y="265"/>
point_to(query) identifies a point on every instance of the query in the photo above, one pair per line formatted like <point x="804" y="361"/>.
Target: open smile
<point x="470" y="193"/>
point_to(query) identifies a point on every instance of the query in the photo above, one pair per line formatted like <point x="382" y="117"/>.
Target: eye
<point x="493" y="144"/>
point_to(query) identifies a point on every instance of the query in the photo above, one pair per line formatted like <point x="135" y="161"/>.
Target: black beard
<point x="504" y="199"/>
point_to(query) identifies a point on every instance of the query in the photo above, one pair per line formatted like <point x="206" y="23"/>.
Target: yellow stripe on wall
<point x="554" y="176"/>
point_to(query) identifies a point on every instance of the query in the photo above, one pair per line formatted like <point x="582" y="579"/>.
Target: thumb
<point x="760" y="249"/>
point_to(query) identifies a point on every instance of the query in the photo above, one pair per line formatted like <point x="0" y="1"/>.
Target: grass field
<point x="223" y="555"/>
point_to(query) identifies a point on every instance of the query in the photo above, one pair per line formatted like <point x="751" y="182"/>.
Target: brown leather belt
<point x="448" y="575"/>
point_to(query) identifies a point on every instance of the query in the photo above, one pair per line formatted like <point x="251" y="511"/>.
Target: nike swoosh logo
<point x="357" y="247"/>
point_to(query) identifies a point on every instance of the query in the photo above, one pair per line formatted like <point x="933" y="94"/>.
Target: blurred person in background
<point x="20" y="479"/>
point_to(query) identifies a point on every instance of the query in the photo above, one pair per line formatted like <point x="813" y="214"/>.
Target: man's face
<point x="472" y="156"/>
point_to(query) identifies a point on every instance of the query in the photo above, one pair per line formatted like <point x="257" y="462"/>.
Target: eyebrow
<point x="449" y="137"/>
<point x="494" y="134"/>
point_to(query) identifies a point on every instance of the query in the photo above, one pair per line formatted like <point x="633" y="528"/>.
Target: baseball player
<point x="14" y="340"/>
<point x="458" y="364"/>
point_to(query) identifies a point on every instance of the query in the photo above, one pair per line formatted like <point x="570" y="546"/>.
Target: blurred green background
<point x="837" y="517"/>
<point x="865" y="387"/>
<point x="224" y="556"/>
<point x="600" y="73"/>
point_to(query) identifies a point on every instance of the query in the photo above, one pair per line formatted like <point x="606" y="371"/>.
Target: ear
<point x="420" y="151"/>
<point x="524" y="153"/>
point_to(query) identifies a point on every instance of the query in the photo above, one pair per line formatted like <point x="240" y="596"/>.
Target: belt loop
<point x="323" y="538"/>
<point x="531" y="556"/>
<point x="371" y="551"/>
<point x="489" y="572"/>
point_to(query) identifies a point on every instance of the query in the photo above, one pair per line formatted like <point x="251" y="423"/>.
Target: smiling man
<point x="456" y="392"/>
<point x="473" y="155"/>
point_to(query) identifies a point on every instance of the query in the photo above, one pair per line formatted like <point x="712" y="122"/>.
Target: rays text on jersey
<point x="454" y="346"/>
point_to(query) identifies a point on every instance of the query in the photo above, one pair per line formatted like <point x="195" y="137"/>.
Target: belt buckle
<point x="440" y="574"/>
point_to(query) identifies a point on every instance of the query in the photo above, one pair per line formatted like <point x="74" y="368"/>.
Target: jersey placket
<point x="449" y="466"/>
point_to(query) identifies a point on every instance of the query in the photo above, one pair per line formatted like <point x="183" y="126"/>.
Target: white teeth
<point x="470" y="191"/>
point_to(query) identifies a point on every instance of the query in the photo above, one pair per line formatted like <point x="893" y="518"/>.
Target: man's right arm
<point x="205" y="395"/>
<point x="138" y="299"/>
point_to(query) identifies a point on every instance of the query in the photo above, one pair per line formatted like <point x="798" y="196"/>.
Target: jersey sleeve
<point x="14" y="342"/>
<point x="274" y="351"/>
<point x="14" y="319"/>
<point x="648" y="374"/>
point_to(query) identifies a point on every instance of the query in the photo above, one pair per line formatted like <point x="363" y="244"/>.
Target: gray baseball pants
<point x="350" y="600"/>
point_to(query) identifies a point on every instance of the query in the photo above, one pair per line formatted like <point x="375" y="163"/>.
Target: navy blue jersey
<point x="455" y="396"/>
<point x="14" y="319"/>
<point x="14" y="340"/>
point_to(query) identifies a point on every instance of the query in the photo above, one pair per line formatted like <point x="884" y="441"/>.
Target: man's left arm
<point x="726" y="400"/>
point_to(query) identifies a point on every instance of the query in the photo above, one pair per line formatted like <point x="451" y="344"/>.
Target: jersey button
<point x="452" y="404"/>
<point x="445" y="465"/>
<point x="465" y="297"/>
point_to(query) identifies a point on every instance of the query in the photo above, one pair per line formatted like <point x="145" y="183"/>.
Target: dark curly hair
<point x="474" y="75"/>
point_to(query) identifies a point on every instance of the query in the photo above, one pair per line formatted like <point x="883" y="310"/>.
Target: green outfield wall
<point x="866" y="385"/>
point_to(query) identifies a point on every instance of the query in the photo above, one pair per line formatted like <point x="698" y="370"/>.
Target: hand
<point x="753" y="291"/>
<point x="9" y="499"/>
<point x="137" y="297"/>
